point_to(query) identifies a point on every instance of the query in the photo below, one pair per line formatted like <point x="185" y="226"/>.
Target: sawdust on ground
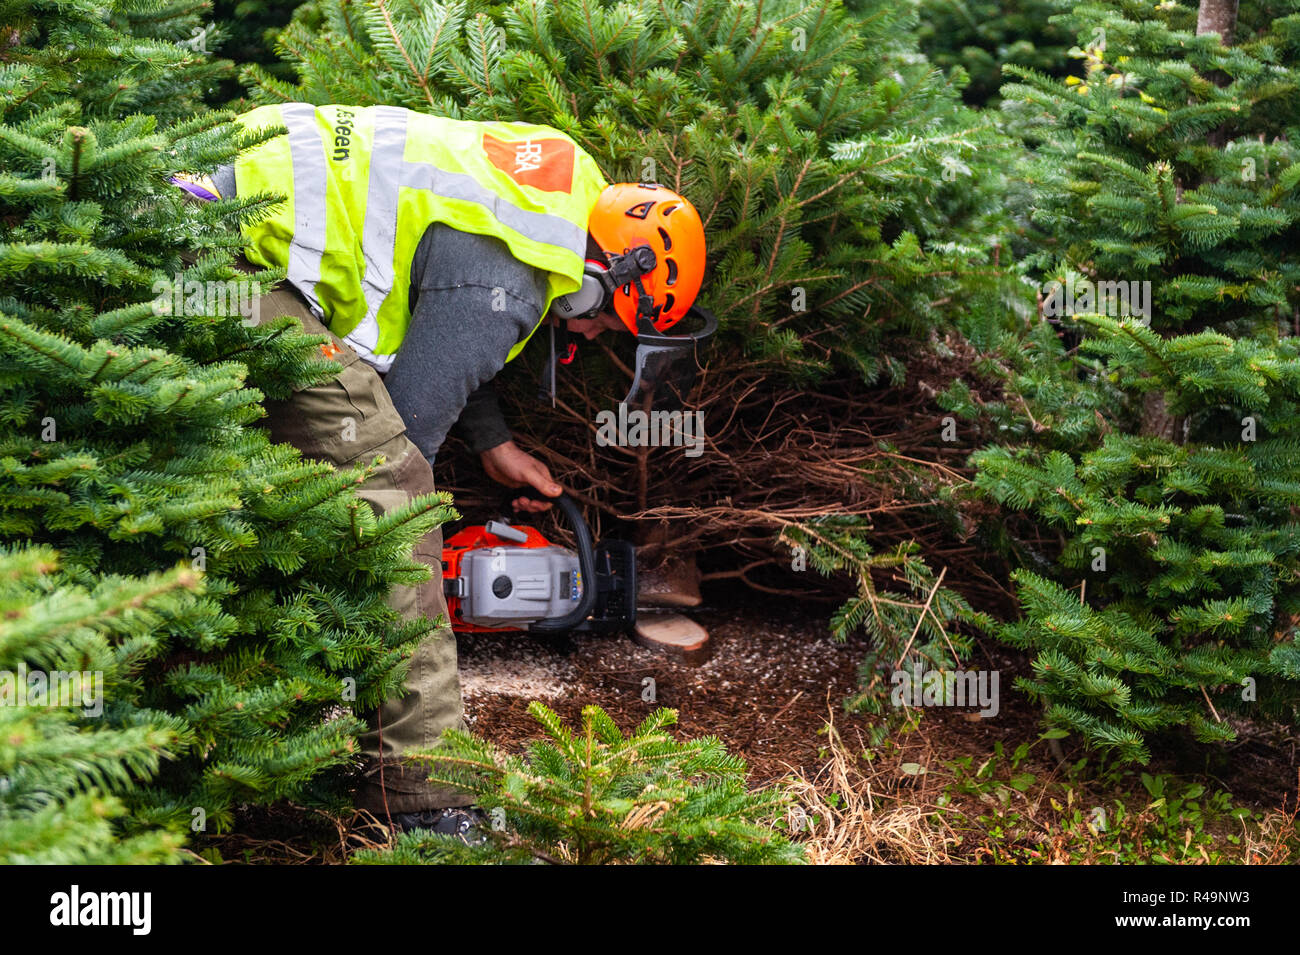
<point x="766" y="692"/>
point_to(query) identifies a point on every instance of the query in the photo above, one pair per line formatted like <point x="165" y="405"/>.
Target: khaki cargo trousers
<point x="347" y="421"/>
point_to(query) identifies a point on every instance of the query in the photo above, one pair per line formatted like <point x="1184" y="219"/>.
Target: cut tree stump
<point x="677" y="636"/>
<point x="673" y="582"/>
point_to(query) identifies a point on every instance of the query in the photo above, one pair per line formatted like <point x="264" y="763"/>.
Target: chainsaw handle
<point x="586" y="562"/>
<point x="530" y="492"/>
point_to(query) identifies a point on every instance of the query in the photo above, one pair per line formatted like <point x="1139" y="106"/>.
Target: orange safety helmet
<point x="630" y="214"/>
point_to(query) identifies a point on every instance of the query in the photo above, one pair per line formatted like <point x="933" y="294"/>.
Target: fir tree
<point x="1171" y="163"/>
<point x="922" y="622"/>
<point x="979" y="37"/>
<point x="252" y="27"/>
<point x="597" y="797"/>
<point x="61" y="777"/>
<point x="130" y="389"/>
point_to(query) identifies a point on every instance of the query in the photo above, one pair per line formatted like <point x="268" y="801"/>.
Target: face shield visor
<point x="666" y="366"/>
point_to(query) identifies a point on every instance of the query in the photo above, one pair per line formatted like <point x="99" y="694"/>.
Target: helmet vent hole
<point x="668" y="302"/>
<point x="672" y="271"/>
<point x="670" y="209"/>
<point x="668" y="241"/>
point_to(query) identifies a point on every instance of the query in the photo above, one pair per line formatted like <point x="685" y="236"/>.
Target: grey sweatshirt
<point x="471" y="302"/>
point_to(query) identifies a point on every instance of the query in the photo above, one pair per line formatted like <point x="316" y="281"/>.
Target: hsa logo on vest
<point x="545" y="164"/>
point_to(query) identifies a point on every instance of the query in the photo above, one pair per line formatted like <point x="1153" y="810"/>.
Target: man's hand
<point x="512" y="466"/>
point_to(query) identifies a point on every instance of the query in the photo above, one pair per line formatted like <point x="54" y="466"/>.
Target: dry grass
<point x="311" y="837"/>
<point x="850" y="818"/>
<point x="1275" y="843"/>
<point x="855" y="810"/>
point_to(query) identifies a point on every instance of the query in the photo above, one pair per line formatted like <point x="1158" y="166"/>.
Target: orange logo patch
<point x="545" y="164"/>
<point x="329" y="350"/>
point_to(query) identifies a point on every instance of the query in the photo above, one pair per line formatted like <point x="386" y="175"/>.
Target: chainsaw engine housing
<point x="500" y="576"/>
<point x="513" y="586"/>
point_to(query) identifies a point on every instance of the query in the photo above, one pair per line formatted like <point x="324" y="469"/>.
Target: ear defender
<point x="589" y="298"/>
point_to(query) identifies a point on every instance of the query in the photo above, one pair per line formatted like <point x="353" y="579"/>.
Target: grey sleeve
<point x="472" y="301"/>
<point x="224" y="180"/>
<point x="482" y="425"/>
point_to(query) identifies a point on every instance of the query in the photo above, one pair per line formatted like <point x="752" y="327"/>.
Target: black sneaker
<point x="467" y="823"/>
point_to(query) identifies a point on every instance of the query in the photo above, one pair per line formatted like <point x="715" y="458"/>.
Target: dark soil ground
<point x="774" y="678"/>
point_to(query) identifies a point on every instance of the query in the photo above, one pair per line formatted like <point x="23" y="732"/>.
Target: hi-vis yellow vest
<point x="365" y="183"/>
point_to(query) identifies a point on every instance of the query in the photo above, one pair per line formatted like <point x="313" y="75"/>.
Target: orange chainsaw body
<point x="532" y="586"/>
<point x="461" y="543"/>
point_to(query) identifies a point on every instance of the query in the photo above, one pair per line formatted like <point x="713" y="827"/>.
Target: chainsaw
<point x="502" y="577"/>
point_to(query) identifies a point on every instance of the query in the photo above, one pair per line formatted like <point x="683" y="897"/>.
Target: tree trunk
<point x="1213" y="16"/>
<point x="1157" y="422"/>
<point x="1217" y="16"/>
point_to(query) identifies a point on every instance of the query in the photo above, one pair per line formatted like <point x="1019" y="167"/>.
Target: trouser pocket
<point x="340" y="421"/>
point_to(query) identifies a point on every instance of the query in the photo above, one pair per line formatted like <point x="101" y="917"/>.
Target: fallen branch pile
<point x="775" y="457"/>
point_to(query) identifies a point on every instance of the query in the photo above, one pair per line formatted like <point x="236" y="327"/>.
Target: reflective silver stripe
<point x="538" y="226"/>
<point x="379" y="232"/>
<point x="309" y="185"/>
<point x="380" y="363"/>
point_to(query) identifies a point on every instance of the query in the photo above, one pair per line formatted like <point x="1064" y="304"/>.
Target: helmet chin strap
<point x="551" y="367"/>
